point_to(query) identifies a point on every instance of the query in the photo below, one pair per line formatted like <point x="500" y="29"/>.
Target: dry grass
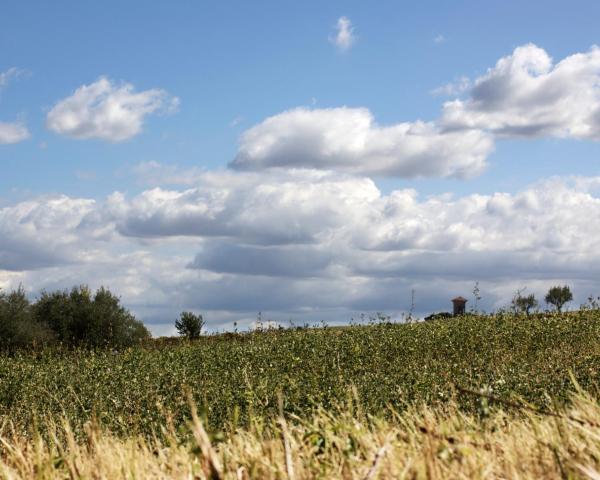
<point x="419" y="443"/>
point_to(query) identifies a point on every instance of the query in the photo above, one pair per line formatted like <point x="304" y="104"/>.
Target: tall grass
<point x="343" y="443"/>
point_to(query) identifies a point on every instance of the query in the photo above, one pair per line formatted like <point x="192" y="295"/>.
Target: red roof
<point x="459" y="299"/>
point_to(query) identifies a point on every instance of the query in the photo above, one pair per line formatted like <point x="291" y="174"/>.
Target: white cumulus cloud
<point x="527" y="94"/>
<point x="349" y="140"/>
<point x="107" y="111"/>
<point x="524" y="95"/>
<point x="265" y="209"/>
<point x="42" y="232"/>
<point x="304" y="245"/>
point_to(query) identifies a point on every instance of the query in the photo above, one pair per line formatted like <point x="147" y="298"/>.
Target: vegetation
<point x="464" y="397"/>
<point x="236" y="377"/>
<point x="525" y="303"/>
<point x="558" y="296"/>
<point x="19" y="327"/>
<point x="72" y="319"/>
<point x="342" y="443"/>
<point x="189" y="325"/>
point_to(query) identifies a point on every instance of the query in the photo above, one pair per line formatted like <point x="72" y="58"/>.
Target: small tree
<point x="189" y="325"/>
<point x="558" y="296"/>
<point x="525" y="303"/>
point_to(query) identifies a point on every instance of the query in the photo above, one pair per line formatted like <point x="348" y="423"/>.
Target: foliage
<point x="189" y="325"/>
<point x="80" y="317"/>
<point x="75" y="318"/>
<point x="18" y="328"/>
<point x="238" y="376"/>
<point x="524" y="303"/>
<point x="558" y="296"/>
<point x="438" y="316"/>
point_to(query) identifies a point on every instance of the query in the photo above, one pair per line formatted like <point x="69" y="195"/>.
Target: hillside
<point x="233" y="377"/>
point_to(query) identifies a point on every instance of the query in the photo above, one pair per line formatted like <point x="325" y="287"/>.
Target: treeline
<point x="75" y="318"/>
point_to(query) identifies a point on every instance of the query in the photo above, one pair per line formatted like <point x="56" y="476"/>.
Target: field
<point x="482" y="380"/>
<point x="344" y="444"/>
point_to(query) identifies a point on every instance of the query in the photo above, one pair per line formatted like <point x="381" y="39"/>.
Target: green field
<point x="234" y="377"/>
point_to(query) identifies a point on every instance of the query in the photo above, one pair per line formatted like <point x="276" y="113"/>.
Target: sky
<point x="312" y="161"/>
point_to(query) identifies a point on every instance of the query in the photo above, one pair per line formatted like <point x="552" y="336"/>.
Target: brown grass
<point x="419" y="443"/>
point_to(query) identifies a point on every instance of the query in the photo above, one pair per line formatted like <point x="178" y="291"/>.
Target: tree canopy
<point x="558" y="296"/>
<point x="189" y="325"/>
<point x="78" y="317"/>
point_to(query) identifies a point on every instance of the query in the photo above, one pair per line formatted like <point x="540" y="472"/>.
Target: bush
<point x="189" y="325"/>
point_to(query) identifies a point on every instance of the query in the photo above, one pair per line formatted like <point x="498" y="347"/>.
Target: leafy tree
<point x="113" y="323"/>
<point x="189" y="325"/>
<point x="525" y="303"/>
<point x="558" y="296"/>
<point x="18" y="327"/>
<point x="80" y="317"/>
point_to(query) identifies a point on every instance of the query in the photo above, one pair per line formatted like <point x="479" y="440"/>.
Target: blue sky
<point x="229" y="66"/>
<point x="247" y="61"/>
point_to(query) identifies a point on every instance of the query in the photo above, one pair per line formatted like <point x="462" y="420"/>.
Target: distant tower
<point x="459" y="304"/>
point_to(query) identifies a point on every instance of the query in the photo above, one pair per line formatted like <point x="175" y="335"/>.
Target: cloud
<point x="349" y="140"/>
<point x="307" y="245"/>
<point x="439" y="39"/>
<point x="157" y="174"/>
<point x="254" y="208"/>
<point x="344" y="36"/>
<point x="525" y="94"/>
<point x="297" y="229"/>
<point x="272" y="261"/>
<point x="43" y="232"/>
<point x="13" y="133"/>
<point x="455" y="88"/>
<point x="9" y="74"/>
<point x="107" y="111"/>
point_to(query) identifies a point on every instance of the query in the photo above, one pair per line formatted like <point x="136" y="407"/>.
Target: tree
<point x="525" y="303"/>
<point x="189" y="325"/>
<point x="18" y="326"/>
<point x="80" y="317"/>
<point x="558" y="296"/>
